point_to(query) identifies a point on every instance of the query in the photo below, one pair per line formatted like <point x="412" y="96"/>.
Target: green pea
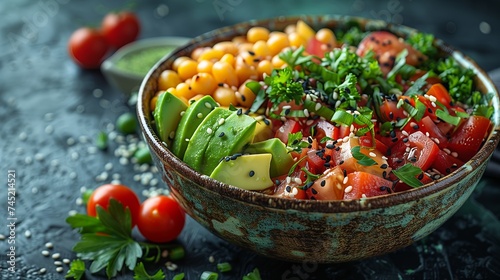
<point x="126" y="123"/>
<point x="102" y="140"/>
<point x="143" y="155"/>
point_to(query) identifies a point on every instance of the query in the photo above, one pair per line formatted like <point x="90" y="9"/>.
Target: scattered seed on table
<point x="49" y="245"/>
<point x="42" y="270"/>
<point x="58" y="263"/>
<point x="45" y="253"/>
<point x="27" y="233"/>
<point x="2" y="237"/>
<point x="56" y="255"/>
<point x="59" y="269"/>
<point x="66" y="261"/>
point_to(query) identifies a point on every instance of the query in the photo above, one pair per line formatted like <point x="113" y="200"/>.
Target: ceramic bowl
<point x="320" y="231"/>
<point x="127" y="81"/>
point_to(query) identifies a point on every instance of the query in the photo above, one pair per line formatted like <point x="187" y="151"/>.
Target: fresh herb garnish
<point x="140" y="273"/>
<point x="107" y="241"/>
<point x="424" y="43"/>
<point x="283" y="88"/>
<point x="295" y="142"/>
<point x="76" y="270"/>
<point x="362" y="158"/>
<point x="407" y="174"/>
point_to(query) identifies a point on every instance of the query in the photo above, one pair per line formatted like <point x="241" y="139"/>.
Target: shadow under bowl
<point x="319" y="231"/>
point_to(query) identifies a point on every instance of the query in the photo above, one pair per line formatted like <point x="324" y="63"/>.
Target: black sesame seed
<point x="239" y="112"/>
<point x="327" y="164"/>
<point x="267" y="122"/>
<point x="383" y="166"/>
<point x="288" y="188"/>
<point x="448" y="170"/>
<point x="391" y="115"/>
<point x="251" y="52"/>
<point x="344" y="172"/>
<point x="341" y="162"/>
<point x="287" y="111"/>
<point x="251" y="173"/>
<point x="429" y="110"/>
<point x="415" y="126"/>
<point x="330" y="146"/>
<point x="227" y="158"/>
<point x="220" y="84"/>
<point x="384" y="174"/>
<point x="420" y="176"/>
<point x="322" y="183"/>
<point x="222" y="134"/>
<point x="314" y="191"/>
<point x="277" y="182"/>
<point x="405" y="140"/>
<point x="308" y="185"/>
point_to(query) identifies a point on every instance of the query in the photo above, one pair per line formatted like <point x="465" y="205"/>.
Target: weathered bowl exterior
<point x="321" y="231"/>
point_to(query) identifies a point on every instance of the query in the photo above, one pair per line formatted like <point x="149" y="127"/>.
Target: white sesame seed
<point x="27" y="233"/>
<point x="295" y="191"/>
<point x="208" y="105"/>
<point x="56" y="256"/>
<point x="123" y="161"/>
<point x="182" y="113"/>
<point x="34" y="190"/>
<point x="309" y="122"/>
<point x="39" y="156"/>
<point x="58" y="263"/>
<point x="171" y="266"/>
<point x="345" y="180"/>
<point x="454" y="154"/>
<point x="363" y="195"/>
<point x="433" y="104"/>
<point x="432" y="98"/>
<point x="79" y="201"/>
<point x="23" y="136"/>
<point x="286" y="107"/>
<point x="108" y="166"/>
<point x="72" y="212"/>
<point x="49" y="129"/>
<point x="427" y="134"/>
<point x="446" y="150"/>
<point x="345" y="139"/>
<point x="372" y="154"/>
<point x="199" y="116"/>
<point x="28" y="160"/>
<point x="348" y="189"/>
<point x="288" y="179"/>
<point x="2" y="237"/>
<point x="171" y="135"/>
<point x="59" y="269"/>
<point x="46" y="253"/>
<point x="209" y="130"/>
<point x="306" y="113"/>
<point x="66" y="261"/>
<point x="42" y="270"/>
<point x="297" y="180"/>
<point x="211" y="259"/>
<point x="49" y="245"/>
<point x="317" y="106"/>
<point x="404" y="132"/>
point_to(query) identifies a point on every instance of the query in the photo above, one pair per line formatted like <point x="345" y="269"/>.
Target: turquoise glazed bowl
<point x="320" y="231"/>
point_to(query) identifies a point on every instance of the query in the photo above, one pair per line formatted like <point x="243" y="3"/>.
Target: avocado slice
<point x="198" y="143"/>
<point x="191" y="119"/>
<point x="228" y="139"/>
<point x="282" y="160"/>
<point x="250" y="172"/>
<point x="263" y="131"/>
<point x="167" y="115"/>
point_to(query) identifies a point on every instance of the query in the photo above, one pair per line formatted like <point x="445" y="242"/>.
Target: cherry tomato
<point x="126" y="196"/>
<point x="87" y="47"/>
<point x="161" y="219"/>
<point x="419" y="150"/>
<point x="121" y="28"/>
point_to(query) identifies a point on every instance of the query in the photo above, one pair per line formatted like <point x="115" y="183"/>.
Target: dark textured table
<point x="51" y="112"/>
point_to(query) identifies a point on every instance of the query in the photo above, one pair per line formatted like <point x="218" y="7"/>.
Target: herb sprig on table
<point x="108" y="243"/>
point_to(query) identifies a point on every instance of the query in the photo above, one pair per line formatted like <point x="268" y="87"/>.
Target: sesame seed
<point x="297" y="180"/>
<point x="199" y="115"/>
<point x="59" y="269"/>
<point x="239" y="112"/>
<point x="318" y="106"/>
<point x="446" y="150"/>
<point x="45" y="253"/>
<point x="295" y="191"/>
<point x="306" y="113"/>
<point x="208" y="105"/>
<point x="348" y="189"/>
<point x="170" y="266"/>
<point x="56" y="255"/>
<point x="404" y="132"/>
<point x="27" y="233"/>
<point x="372" y="154"/>
<point x="345" y="180"/>
<point x="42" y="270"/>
<point x="322" y="183"/>
<point x="66" y="261"/>
<point x="251" y="173"/>
<point x="222" y="121"/>
<point x="209" y="130"/>
<point x="58" y="263"/>
<point x="454" y="154"/>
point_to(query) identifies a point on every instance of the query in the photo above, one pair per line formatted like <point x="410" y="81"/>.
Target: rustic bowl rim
<point x="323" y="206"/>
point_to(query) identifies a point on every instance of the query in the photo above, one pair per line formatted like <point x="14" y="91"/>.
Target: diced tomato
<point x="418" y="150"/>
<point x="324" y="129"/>
<point x="290" y="126"/>
<point x="390" y="112"/>
<point x="446" y="163"/>
<point x="316" y="161"/>
<point x="328" y="186"/>
<point x="367" y="141"/>
<point x="345" y="159"/>
<point x="291" y="189"/>
<point x="400" y="186"/>
<point x="433" y="131"/>
<point x="359" y="184"/>
<point x="317" y="48"/>
<point x="468" y="137"/>
<point x="445" y="128"/>
<point x="441" y="94"/>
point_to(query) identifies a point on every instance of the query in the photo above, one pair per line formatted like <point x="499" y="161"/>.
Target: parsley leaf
<point x="140" y="273"/>
<point x="283" y="88"/>
<point x="295" y="142"/>
<point x="76" y="270"/>
<point x="424" y="43"/>
<point x="362" y="158"/>
<point x="407" y="173"/>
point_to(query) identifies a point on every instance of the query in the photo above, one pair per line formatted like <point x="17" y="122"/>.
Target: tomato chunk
<point x="359" y="184"/>
<point x="469" y="136"/>
<point x="418" y="150"/>
<point x="290" y="126"/>
<point x="328" y="186"/>
<point x="446" y="163"/>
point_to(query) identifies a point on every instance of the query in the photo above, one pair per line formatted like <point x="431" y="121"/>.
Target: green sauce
<point x="140" y="62"/>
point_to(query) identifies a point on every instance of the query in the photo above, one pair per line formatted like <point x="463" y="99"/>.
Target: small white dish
<point x="126" y="79"/>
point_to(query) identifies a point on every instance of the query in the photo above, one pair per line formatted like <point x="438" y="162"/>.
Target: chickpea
<point x="168" y="79"/>
<point x="205" y="66"/>
<point x="178" y="61"/>
<point x="261" y="49"/>
<point x="211" y="54"/>
<point x="245" y="95"/>
<point x="245" y="71"/>
<point x="227" y="47"/>
<point x="277" y="42"/>
<point x="197" y="52"/>
<point x="229" y="58"/>
<point x="264" y="67"/>
<point x="244" y="47"/>
<point x="225" y="96"/>
<point x="184" y="90"/>
<point x="187" y="69"/>
<point x="223" y="72"/>
<point x="257" y="33"/>
<point x="277" y="62"/>
<point x="203" y="83"/>
<point x="296" y="40"/>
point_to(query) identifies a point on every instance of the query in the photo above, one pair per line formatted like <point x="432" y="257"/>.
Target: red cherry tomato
<point x="87" y="47"/>
<point x="121" y="193"/>
<point x="121" y="28"/>
<point x="161" y="219"/>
